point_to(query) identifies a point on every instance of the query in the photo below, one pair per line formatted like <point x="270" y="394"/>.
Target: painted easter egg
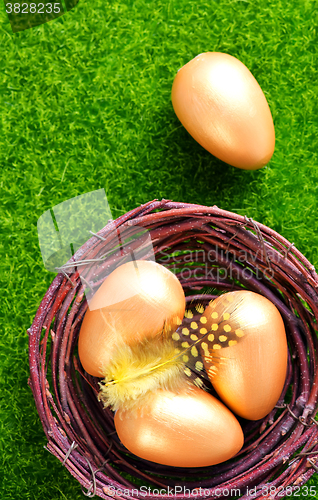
<point x="245" y="352"/>
<point x="136" y="301"/>
<point x="220" y="103"/>
<point x="186" y="429"/>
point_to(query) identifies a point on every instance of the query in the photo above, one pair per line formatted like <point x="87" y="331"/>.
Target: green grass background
<point x="85" y="104"/>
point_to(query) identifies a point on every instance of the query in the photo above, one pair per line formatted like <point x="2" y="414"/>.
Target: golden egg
<point x="247" y="357"/>
<point x="222" y="106"/>
<point x="136" y="301"/>
<point x="188" y="429"/>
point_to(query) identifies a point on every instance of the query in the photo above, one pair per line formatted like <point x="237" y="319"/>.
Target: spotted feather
<point x="170" y="359"/>
<point x="204" y="332"/>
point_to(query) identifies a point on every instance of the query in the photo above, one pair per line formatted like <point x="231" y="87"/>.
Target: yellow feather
<point x="137" y="370"/>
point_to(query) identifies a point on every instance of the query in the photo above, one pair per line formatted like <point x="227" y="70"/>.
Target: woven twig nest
<point x="280" y="451"/>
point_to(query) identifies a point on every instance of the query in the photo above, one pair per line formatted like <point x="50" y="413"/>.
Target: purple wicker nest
<point x="280" y="451"/>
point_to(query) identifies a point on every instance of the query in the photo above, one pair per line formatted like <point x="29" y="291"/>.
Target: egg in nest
<point x="146" y="376"/>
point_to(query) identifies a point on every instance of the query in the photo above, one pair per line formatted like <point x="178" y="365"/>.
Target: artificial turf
<point x="85" y="104"/>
